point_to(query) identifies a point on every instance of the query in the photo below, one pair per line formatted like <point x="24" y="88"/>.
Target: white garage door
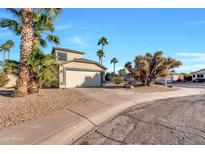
<point x="82" y="79"/>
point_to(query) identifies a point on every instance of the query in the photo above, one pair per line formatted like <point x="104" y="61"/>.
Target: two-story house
<point x="75" y="71"/>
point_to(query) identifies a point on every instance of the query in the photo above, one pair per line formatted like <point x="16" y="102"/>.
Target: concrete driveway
<point x="66" y="126"/>
<point x="169" y="121"/>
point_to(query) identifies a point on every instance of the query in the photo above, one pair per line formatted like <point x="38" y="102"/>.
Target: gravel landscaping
<point x="20" y="109"/>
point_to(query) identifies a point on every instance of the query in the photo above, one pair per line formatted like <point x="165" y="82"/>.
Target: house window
<point x="193" y="76"/>
<point x="202" y="75"/>
<point x="62" y="56"/>
<point x="198" y="75"/>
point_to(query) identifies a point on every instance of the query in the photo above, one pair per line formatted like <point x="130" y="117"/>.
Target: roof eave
<point x="66" y="50"/>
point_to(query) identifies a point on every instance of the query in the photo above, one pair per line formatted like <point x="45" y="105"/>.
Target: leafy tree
<point x="100" y="54"/>
<point x="149" y="67"/>
<point x="122" y="72"/>
<point x="114" y="61"/>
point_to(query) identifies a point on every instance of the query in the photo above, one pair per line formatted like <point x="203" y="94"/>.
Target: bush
<point x="117" y="79"/>
<point x="3" y="79"/>
<point x="107" y="76"/>
<point x="188" y="77"/>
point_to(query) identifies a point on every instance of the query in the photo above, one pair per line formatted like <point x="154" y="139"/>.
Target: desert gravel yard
<point x="21" y="109"/>
<point x="170" y="121"/>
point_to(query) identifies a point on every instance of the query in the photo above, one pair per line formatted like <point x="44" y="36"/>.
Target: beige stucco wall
<point x="61" y="74"/>
<point x="82" y="65"/>
<point x="70" y="55"/>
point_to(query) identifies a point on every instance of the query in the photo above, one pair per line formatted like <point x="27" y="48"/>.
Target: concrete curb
<point x="69" y="134"/>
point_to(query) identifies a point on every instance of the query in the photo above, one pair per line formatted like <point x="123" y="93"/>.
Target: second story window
<point x="61" y="56"/>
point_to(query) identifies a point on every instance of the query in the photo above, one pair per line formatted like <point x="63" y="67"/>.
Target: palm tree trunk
<point x="99" y="59"/>
<point x="4" y="57"/>
<point x="26" y="49"/>
<point x="8" y="54"/>
<point x="33" y="84"/>
<point x="114" y="68"/>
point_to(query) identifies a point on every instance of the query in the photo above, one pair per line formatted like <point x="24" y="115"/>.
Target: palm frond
<point x="11" y="24"/>
<point x="43" y="43"/>
<point x="53" y="39"/>
<point x="15" y="12"/>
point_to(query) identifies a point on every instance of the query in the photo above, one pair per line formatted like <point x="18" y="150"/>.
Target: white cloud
<point x="191" y="57"/>
<point x="76" y="40"/>
<point x="67" y="26"/>
<point x="188" y="54"/>
<point x="79" y="41"/>
<point x="190" y="68"/>
<point x="191" y="61"/>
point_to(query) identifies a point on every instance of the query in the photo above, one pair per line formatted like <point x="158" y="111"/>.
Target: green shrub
<point x="3" y="79"/>
<point x="117" y="79"/>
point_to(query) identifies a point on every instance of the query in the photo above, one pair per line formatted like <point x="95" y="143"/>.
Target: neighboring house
<point x="169" y="79"/>
<point x="198" y="76"/>
<point x="75" y="71"/>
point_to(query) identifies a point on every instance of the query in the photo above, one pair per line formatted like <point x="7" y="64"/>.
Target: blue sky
<point x="180" y="33"/>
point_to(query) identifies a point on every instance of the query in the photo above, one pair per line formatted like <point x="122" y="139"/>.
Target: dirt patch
<point x="153" y="88"/>
<point x="20" y="109"/>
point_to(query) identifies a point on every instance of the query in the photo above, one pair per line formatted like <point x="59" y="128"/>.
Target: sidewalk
<point x="66" y="126"/>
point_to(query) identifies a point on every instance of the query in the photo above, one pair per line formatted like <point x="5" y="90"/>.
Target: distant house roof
<point x="66" y="50"/>
<point x="87" y="61"/>
<point x="198" y="71"/>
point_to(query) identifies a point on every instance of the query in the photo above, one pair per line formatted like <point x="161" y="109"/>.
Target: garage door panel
<point x="82" y="79"/>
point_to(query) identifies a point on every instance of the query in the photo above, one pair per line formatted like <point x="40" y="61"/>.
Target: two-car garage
<point x="80" y="78"/>
<point x="81" y="72"/>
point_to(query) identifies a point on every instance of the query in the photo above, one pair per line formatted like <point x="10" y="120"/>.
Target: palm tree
<point x="114" y="61"/>
<point x="9" y="45"/>
<point x="100" y="54"/>
<point x="43" y="66"/>
<point x="29" y="24"/>
<point x="3" y="48"/>
<point x="26" y="50"/>
<point x="103" y="41"/>
<point x="43" y="70"/>
<point x="10" y="66"/>
<point x="42" y="23"/>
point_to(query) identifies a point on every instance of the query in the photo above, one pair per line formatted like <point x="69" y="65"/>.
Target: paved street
<point x="170" y="121"/>
<point x="189" y="85"/>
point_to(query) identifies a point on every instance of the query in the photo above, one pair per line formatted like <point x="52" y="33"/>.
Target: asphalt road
<point x="189" y="85"/>
<point x="171" y="121"/>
